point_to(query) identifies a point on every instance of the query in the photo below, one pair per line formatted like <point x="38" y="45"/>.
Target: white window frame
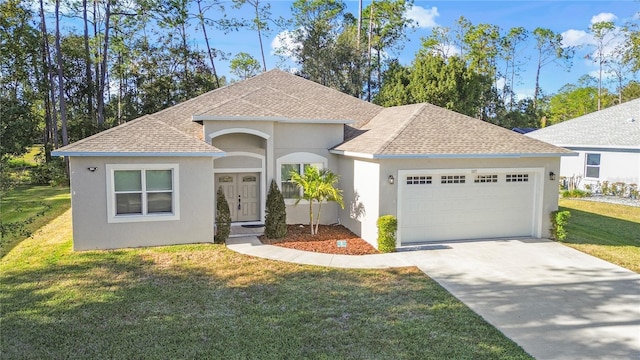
<point x="301" y="159"/>
<point x="587" y="166"/>
<point x="112" y="217"/>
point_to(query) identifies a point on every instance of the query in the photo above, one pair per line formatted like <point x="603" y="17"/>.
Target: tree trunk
<point x="264" y="63"/>
<point x="311" y="216"/>
<point x="103" y="67"/>
<point x="63" y="105"/>
<point x="87" y="59"/>
<point x="369" y="55"/>
<point x="50" y="96"/>
<point x="318" y="217"/>
<point x="206" y="41"/>
<point x="536" y="91"/>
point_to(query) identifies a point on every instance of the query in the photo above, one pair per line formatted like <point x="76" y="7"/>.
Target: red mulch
<point x="299" y="237"/>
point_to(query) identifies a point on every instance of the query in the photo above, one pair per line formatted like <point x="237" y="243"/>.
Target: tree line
<point x="119" y="60"/>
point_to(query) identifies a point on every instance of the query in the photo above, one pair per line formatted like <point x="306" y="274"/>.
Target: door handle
<point x="239" y="202"/>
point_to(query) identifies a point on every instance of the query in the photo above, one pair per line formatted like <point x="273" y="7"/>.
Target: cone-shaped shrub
<point x="223" y="218"/>
<point x="275" y="224"/>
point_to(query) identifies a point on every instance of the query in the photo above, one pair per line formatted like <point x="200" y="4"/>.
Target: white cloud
<point x="573" y="37"/>
<point x="422" y="18"/>
<point x="603" y="17"/>
<point x="446" y="50"/>
<point x="285" y="44"/>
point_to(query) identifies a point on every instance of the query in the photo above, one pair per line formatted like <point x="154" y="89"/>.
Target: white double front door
<point x="242" y="193"/>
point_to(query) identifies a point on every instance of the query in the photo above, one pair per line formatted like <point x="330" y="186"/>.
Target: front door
<point x="241" y="191"/>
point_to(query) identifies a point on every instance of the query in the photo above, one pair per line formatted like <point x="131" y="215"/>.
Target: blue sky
<point x="571" y="18"/>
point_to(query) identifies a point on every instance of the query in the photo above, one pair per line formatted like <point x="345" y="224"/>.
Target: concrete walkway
<point x="555" y="302"/>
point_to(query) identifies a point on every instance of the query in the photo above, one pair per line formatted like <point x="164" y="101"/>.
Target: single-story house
<point x="445" y="176"/>
<point x="607" y="143"/>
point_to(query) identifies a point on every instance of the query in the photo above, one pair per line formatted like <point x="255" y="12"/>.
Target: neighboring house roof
<point x="145" y="136"/>
<point x="523" y="130"/>
<point x="425" y="130"/>
<point x="614" y="127"/>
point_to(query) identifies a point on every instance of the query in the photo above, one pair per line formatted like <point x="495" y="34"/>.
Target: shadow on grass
<point x="205" y="301"/>
<point x="589" y="228"/>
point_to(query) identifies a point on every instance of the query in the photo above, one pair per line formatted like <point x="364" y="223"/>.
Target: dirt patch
<point x="299" y="237"/>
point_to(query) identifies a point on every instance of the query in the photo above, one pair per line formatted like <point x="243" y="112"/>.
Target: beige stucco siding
<point x="362" y="185"/>
<point x="91" y="229"/>
<point x="240" y="142"/>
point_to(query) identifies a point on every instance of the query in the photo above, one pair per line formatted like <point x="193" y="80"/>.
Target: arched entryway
<point x="242" y="172"/>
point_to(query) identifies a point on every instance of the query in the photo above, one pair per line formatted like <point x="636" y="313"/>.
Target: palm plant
<point x="319" y="186"/>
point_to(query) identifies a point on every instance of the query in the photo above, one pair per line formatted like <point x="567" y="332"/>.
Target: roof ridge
<point x="308" y="103"/>
<point x="230" y="99"/>
<point x="220" y="88"/>
<point x="401" y="129"/>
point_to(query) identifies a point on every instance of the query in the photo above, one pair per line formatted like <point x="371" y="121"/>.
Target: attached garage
<point x="456" y="204"/>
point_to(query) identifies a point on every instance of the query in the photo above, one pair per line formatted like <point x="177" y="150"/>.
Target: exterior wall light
<point x="92" y="168"/>
<point x="552" y="176"/>
<point x="391" y="179"/>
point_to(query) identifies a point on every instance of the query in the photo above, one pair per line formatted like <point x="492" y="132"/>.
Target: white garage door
<point x="467" y="204"/>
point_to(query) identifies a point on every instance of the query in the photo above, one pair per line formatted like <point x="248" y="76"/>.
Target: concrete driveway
<point x="555" y="302"/>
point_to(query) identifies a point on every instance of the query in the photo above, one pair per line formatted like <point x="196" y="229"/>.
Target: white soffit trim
<point x="255" y="132"/>
<point x="611" y="148"/>
<point x="449" y="156"/>
<point x="269" y="118"/>
<point x="138" y="154"/>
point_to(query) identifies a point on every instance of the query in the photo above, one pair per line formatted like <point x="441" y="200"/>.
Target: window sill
<point x="142" y="218"/>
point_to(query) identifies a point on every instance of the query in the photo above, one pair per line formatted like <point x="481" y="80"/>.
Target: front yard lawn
<point x="204" y="301"/>
<point x="608" y="231"/>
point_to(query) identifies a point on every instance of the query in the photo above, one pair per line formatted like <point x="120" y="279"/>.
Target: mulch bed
<point x="299" y="237"/>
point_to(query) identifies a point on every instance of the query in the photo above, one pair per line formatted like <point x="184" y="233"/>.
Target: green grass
<point x="19" y="168"/>
<point x="27" y="159"/>
<point x="608" y="231"/>
<point x="205" y="301"/>
<point x="28" y="208"/>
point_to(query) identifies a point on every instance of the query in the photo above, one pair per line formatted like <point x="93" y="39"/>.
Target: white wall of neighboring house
<point x="614" y="167"/>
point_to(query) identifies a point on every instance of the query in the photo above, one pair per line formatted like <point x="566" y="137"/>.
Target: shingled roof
<point x="425" y="130"/>
<point x="420" y="130"/>
<point x="614" y="127"/>
<point x="274" y="94"/>
<point x="144" y="136"/>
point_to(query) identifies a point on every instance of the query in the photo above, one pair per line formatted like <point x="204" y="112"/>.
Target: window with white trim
<point x="592" y="167"/>
<point x="146" y="192"/>
<point x="288" y="188"/>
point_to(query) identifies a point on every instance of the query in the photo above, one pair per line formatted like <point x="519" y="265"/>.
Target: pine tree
<point x="276" y="218"/>
<point x="223" y="218"/>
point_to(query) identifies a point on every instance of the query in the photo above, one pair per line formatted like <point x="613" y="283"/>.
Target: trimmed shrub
<point x="387" y="226"/>
<point x="223" y="218"/>
<point x="275" y="223"/>
<point x="559" y="219"/>
<point x="575" y="193"/>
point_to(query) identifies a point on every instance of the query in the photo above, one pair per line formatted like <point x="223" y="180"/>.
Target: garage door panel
<point x="451" y="211"/>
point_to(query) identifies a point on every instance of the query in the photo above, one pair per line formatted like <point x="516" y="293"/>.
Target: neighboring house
<point x="446" y="176"/>
<point x="607" y="143"/>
